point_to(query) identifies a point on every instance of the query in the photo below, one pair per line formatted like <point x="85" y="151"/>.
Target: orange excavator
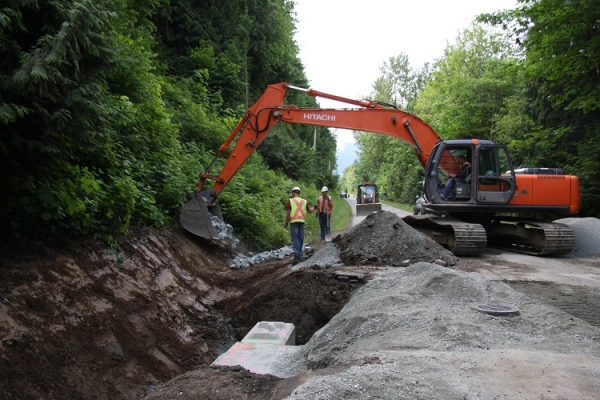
<point x="469" y="213"/>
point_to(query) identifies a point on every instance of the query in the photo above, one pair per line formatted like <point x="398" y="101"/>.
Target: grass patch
<point x="342" y="215"/>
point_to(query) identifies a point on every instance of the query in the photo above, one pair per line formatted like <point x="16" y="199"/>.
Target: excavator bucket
<point x="196" y="216"/>
<point x="366" y="209"/>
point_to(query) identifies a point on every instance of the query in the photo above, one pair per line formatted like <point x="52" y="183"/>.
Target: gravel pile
<point x="225" y="231"/>
<point x="381" y="239"/>
<point x="246" y="261"/>
<point x="384" y="239"/>
<point x="400" y="331"/>
<point x="328" y="256"/>
<point x="587" y="236"/>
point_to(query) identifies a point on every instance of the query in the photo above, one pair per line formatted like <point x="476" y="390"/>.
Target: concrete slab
<point x="266" y="343"/>
<point x="272" y="332"/>
<point x="258" y="358"/>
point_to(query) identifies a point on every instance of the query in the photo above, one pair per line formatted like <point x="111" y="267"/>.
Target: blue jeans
<point x="449" y="188"/>
<point x="297" y="232"/>
<point x="323" y="223"/>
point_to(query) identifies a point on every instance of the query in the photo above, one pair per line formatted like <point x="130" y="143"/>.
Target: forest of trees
<point x="110" y="109"/>
<point x="528" y="78"/>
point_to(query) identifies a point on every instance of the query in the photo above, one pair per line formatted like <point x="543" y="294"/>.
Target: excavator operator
<point x="462" y="175"/>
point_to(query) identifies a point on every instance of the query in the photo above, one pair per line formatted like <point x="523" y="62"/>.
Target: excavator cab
<point x="490" y="181"/>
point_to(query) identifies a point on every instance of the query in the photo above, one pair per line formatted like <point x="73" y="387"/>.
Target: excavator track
<point x="531" y="237"/>
<point x="461" y="238"/>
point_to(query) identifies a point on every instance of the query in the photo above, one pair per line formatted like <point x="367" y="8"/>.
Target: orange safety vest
<point x="298" y="210"/>
<point x="323" y="206"/>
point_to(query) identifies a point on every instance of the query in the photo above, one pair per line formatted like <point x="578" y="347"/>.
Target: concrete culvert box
<point x="272" y="332"/>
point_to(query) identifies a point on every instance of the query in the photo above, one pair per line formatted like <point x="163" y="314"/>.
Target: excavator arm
<point x="261" y="118"/>
<point x="493" y="186"/>
<point x="366" y="115"/>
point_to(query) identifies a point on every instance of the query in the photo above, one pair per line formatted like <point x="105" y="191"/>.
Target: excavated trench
<point x="310" y="294"/>
<point x="307" y="299"/>
<point x="82" y="320"/>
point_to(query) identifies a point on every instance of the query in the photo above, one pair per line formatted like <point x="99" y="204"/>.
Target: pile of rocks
<point x="243" y="261"/>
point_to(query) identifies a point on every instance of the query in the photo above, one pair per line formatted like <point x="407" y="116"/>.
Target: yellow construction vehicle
<point x="367" y="199"/>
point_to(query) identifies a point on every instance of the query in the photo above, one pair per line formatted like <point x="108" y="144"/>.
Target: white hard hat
<point x="324" y="189"/>
<point x="296" y="189"/>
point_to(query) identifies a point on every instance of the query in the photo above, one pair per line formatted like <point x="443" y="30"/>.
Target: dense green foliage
<point x="386" y="161"/>
<point x="561" y="88"/>
<point x="110" y="109"/>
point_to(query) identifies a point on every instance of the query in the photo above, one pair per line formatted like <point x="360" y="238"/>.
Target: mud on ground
<point x="79" y="322"/>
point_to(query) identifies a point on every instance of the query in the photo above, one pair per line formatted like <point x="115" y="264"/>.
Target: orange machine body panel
<point x="547" y="190"/>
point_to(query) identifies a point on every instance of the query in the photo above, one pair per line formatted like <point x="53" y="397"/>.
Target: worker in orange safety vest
<point x="296" y="209"/>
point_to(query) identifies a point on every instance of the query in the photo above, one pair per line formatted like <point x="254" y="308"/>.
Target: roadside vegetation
<point x="110" y="110"/>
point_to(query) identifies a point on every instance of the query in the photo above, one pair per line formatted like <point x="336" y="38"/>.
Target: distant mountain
<point x="346" y="157"/>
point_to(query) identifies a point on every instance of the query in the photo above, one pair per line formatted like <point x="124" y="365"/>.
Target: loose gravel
<point x="587" y="237"/>
<point x="413" y="333"/>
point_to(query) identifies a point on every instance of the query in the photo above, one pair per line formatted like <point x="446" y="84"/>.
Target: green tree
<point x="256" y="36"/>
<point x="388" y="161"/>
<point x="561" y="45"/>
<point x="109" y="110"/>
<point x="57" y="58"/>
<point x="468" y="86"/>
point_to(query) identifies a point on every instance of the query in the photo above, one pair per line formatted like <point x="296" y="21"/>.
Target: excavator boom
<point x="263" y="115"/>
<point x="492" y="185"/>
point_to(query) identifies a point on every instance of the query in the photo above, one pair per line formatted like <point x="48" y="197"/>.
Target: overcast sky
<point x="344" y="43"/>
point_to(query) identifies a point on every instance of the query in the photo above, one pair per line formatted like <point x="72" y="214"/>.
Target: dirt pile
<point x="383" y="239"/>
